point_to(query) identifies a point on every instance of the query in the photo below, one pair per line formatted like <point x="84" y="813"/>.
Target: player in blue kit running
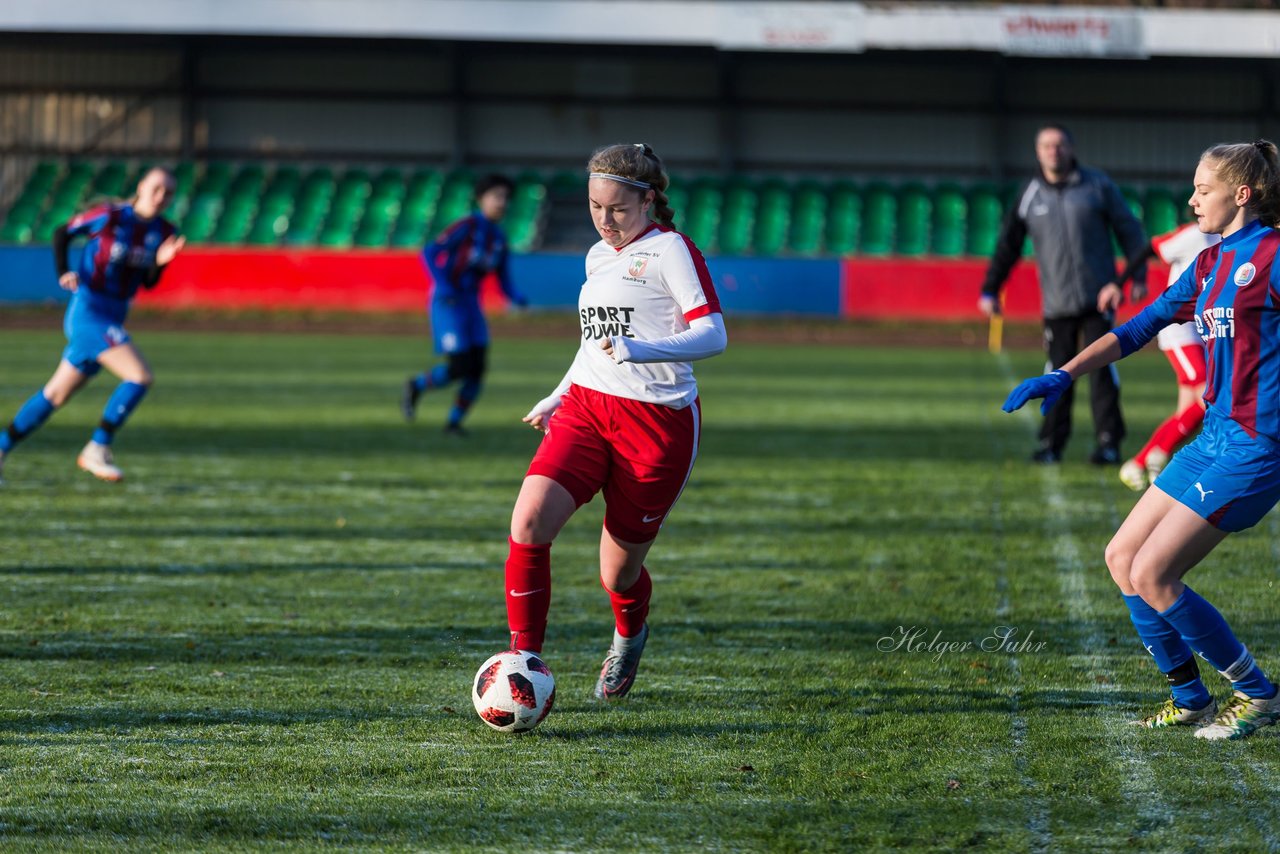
<point x="1227" y="478"/>
<point x="127" y="246"/>
<point x="460" y="259"/>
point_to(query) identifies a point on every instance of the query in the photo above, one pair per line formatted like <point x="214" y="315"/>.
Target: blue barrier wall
<point x="27" y="276"/>
<point x="744" y="285"/>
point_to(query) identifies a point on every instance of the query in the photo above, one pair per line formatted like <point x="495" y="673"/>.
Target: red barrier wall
<point x="896" y="288"/>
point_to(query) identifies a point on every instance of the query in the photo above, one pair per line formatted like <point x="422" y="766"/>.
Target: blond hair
<point x="1254" y="165"/>
<point x="637" y="162"/>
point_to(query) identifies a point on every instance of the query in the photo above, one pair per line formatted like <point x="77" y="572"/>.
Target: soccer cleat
<point x="620" y="667"/>
<point x="1242" y="716"/>
<point x="96" y="459"/>
<point x="409" y="399"/>
<point x="1171" y="714"/>
<point x="1046" y="456"/>
<point x="1134" y="476"/>
<point x="1156" y="461"/>
<point x="1105" y="455"/>
<point x="456" y="430"/>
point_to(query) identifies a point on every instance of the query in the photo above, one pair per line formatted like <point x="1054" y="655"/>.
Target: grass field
<point x="266" y="636"/>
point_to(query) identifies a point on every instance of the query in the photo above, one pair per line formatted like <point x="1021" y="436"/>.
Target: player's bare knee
<point x="529" y="530"/>
<point x="1119" y="559"/>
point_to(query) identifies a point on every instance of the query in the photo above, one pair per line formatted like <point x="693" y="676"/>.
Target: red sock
<point x="528" y="579"/>
<point x="631" y="607"/>
<point x="1172" y="432"/>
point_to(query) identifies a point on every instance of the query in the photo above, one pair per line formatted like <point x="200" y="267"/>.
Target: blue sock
<point x="467" y="395"/>
<point x="123" y="401"/>
<point x="1205" y="631"/>
<point x="33" y="413"/>
<point x="1171" y="653"/>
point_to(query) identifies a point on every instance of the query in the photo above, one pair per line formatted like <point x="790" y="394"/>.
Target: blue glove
<point x="1050" y="387"/>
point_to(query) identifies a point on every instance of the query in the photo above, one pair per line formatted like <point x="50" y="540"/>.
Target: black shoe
<point x="1046" y="456"/>
<point x="1105" y="455"/>
<point x="455" y="430"/>
<point x="409" y="399"/>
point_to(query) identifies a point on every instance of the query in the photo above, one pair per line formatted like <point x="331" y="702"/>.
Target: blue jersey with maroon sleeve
<point x="1232" y="292"/>
<point x="120" y="251"/>
<point x="469" y="250"/>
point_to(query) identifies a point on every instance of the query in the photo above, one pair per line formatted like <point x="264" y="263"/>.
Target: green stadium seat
<point x="349" y="200"/>
<point x="950" y="221"/>
<point x="381" y="211"/>
<point x="112" y="181"/>
<point x="525" y="213"/>
<point x="1162" y="210"/>
<point x="986" y="213"/>
<point x="738" y="218"/>
<point x="418" y="209"/>
<point x="773" y="218"/>
<point x="706" y="199"/>
<point x="915" y="220"/>
<point x="678" y="198"/>
<point x="240" y="206"/>
<point x="457" y="198"/>
<point x="312" y="207"/>
<point x="880" y="220"/>
<point x="844" y="220"/>
<point x="808" y="219"/>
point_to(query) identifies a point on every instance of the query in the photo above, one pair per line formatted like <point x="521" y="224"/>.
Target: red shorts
<point x="1188" y="363"/>
<point x="640" y="454"/>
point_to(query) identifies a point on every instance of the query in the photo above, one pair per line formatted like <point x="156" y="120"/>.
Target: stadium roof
<point x="828" y="27"/>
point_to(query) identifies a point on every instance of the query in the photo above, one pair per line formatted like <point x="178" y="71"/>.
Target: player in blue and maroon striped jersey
<point x="126" y="247"/>
<point x="459" y="260"/>
<point x="1227" y="478"/>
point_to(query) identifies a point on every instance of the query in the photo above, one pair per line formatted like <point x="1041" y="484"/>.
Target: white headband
<point x="610" y="177"/>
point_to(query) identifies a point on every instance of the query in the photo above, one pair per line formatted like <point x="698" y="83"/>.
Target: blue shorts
<point x="458" y="327"/>
<point x="1226" y="477"/>
<point x="88" y="335"/>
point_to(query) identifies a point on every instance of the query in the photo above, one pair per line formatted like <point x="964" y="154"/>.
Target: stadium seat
<point x="240" y="206"/>
<point x="950" y="221"/>
<point x="1162" y="210"/>
<point x="844" y="220"/>
<point x="915" y="220"/>
<point x="275" y="208"/>
<point x="67" y="198"/>
<point x="111" y="182"/>
<point x="525" y="213"/>
<point x="705" y="201"/>
<point x="382" y="210"/>
<point x="986" y="212"/>
<point x="312" y="207"/>
<point x="808" y="219"/>
<point x="207" y="202"/>
<point x="738" y="218"/>
<point x="456" y="201"/>
<point x="773" y="218"/>
<point x="880" y="220"/>
<point x="349" y="199"/>
<point x="418" y="210"/>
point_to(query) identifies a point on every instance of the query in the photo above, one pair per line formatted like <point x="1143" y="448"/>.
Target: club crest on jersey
<point x="1245" y="274"/>
<point x="637" y="266"/>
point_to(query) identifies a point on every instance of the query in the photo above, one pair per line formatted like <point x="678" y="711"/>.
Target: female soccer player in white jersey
<point x="1228" y="477"/>
<point x="625" y="419"/>
<point x="1181" y="344"/>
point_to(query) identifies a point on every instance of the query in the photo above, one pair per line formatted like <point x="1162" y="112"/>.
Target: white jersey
<point x="1179" y="249"/>
<point x="649" y="289"/>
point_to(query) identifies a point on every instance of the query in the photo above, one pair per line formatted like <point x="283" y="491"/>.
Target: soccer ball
<point x="513" y="691"/>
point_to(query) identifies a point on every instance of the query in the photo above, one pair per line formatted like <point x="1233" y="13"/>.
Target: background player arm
<point x="504" y="281"/>
<point x="1013" y="233"/>
<point x="705" y="337"/>
<point x="1136" y="261"/>
<point x="1129" y="232"/>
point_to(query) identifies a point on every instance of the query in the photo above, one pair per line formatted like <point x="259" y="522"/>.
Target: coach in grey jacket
<point x="1071" y="212"/>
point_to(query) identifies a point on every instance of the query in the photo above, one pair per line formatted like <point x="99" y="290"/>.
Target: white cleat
<point x="1241" y="717"/>
<point x="96" y="459"/>
<point x="1134" y="476"/>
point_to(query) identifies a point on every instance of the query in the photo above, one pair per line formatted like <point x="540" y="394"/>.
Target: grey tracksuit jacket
<point x="1070" y="226"/>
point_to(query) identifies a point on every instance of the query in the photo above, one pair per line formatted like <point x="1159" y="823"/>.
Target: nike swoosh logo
<point x="647" y="519"/>
<point x="526" y="593"/>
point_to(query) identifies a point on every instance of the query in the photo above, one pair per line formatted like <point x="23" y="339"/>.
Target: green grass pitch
<point x="266" y="636"/>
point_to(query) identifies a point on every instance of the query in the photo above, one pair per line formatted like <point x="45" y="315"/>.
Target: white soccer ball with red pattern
<point x="513" y="691"/>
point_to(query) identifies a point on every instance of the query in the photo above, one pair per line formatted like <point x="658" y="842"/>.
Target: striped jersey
<point x="464" y="254"/>
<point x="648" y="289"/>
<point x="1179" y="249"/>
<point x="119" y="253"/>
<point x="1232" y="293"/>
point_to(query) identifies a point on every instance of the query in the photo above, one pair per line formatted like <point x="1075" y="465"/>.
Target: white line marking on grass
<point x="1139" y="781"/>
